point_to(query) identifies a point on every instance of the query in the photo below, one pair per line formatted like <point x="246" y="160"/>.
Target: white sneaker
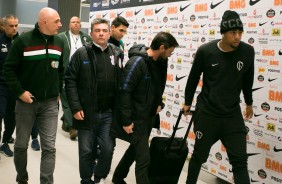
<point x="102" y="181"/>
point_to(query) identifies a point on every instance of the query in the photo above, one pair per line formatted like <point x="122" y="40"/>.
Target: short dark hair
<point x="120" y="21"/>
<point x="99" y="21"/>
<point x="163" y="38"/>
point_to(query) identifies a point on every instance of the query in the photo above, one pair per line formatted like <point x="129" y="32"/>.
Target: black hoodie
<point x="140" y="93"/>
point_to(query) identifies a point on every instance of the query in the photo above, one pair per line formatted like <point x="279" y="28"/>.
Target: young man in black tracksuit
<point x="227" y="66"/>
<point x="140" y="99"/>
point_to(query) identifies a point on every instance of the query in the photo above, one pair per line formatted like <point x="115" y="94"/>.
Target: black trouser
<point x="7" y="111"/>
<point x="138" y="152"/>
<point x="231" y="132"/>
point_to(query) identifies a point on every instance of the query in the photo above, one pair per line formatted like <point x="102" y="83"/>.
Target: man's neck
<point x="74" y="32"/>
<point x="102" y="47"/>
<point x="154" y="54"/>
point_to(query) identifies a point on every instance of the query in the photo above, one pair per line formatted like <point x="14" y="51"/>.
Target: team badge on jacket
<point x="55" y="64"/>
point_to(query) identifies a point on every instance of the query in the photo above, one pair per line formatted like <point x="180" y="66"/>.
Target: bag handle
<point x="175" y="129"/>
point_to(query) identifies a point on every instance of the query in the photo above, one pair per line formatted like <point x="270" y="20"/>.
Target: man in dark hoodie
<point x="140" y="99"/>
<point x="227" y="70"/>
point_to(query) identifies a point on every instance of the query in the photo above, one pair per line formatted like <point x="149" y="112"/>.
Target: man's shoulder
<point x="137" y="59"/>
<point x="115" y="48"/>
<point x="62" y="34"/>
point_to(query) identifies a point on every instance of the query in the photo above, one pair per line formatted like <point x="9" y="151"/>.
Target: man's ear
<point x="162" y="48"/>
<point x="112" y="27"/>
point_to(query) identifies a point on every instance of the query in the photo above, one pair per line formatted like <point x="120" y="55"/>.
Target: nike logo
<point x="157" y="11"/>
<point x="215" y="64"/>
<point x="203" y="25"/>
<point x="252" y="154"/>
<point x="254" y="180"/>
<point x="261" y="24"/>
<point x="118" y="14"/>
<point x="257" y="115"/>
<point x="183" y="8"/>
<point x="178" y="128"/>
<point x="179" y="78"/>
<point x="276" y="149"/>
<point x="136" y="12"/>
<point x="280" y="52"/>
<point x="213" y="6"/>
<point x="128" y="44"/>
<point x="255" y="89"/>
<point x="270" y="80"/>
<point x="104" y="15"/>
<point x="253" y="2"/>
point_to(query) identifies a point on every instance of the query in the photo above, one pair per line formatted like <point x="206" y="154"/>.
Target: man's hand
<point x="27" y="97"/>
<point x="186" y="109"/>
<point x="159" y="109"/>
<point x="79" y="115"/>
<point x="128" y="129"/>
<point x="249" y="112"/>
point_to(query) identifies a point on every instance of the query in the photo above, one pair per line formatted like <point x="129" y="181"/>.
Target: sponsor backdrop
<point x="195" y="22"/>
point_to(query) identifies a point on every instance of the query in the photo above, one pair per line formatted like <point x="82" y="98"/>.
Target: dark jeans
<point x="86" y="139"/>
<point x="7" y="111"/>
<point x="231" y="132"/>
<point x="45" y="114"/>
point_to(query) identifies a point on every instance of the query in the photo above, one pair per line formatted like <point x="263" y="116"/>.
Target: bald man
<point x="34" y="72"/>
<point x="73" y="39"/>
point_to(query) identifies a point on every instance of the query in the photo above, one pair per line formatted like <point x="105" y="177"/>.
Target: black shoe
<point x="5" y="149"/>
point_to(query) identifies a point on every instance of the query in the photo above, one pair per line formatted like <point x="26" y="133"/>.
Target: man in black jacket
<point x="140" y="99"/>
<point x="73" y="39"/>
<point x="91" y="85"/>
<point x="7" y="97"/>
<point x="227" y="70"/>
